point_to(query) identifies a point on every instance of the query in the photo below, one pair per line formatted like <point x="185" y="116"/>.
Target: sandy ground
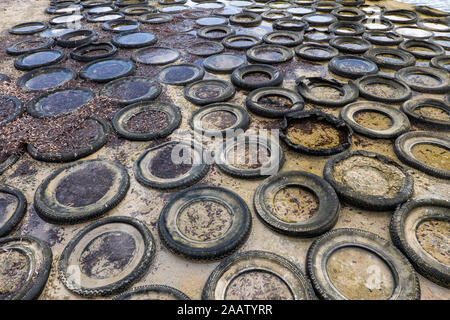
<point x="145" y="204"/>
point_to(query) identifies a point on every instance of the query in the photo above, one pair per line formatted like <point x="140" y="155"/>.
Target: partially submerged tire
<point x="125" y="241"/>
<point x="205" y="223"/>
<point x="13" y="206"/>
<point x="339" y="261"/>
<point x="272" y="277"/>
<point x="368" y="180"/>
<point x="156" y="167"/>
<point x="419" y="229"/>
<point x="27" y="262"/>
<point x="153" y="292"/>
<point x="308" y="210"/>
<point x="81" y="191"/>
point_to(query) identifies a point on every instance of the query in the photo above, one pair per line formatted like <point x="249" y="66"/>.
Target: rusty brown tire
<point x="12" y="218"/>
<point x="403" y="228"/>
<point x="264" y="262"/>
<point x="206" y="245"/>
<point x="374" y="198"/>
<point x="323" y="219"/>
<point x="405" y="278"/>
<point x="85" y="239"/>
<point x="62" y="210"/>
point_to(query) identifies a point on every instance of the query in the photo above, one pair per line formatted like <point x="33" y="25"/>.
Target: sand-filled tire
<point x="401" y="88"/>
<point x="288" y="276"/>
<point x="170" y="179"/>
<point x="433" y="49"/>
<point x="153" y="292"/>
<point x="400" y="123"/>
<point x="410" y="106"/>
<point x="210" y="243"/>
<point x="406" y="142"/>
<point x="38" y="257"/>
<point x="360" y="189"/>
<point x="406" y="281"/>
<point x="96" y="198"/>
<point x="119" y="227"/>
<point x="238" y="75"/>
<point x="324" y="216"/>
<point x="121" y="118"/>
<point x="13" y="217"/>
<point x="253" y="104"/>
<point x="404" y="231"/>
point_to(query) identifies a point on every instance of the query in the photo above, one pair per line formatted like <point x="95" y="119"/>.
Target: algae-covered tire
<point x="191" y="172"/>
<point x="35" y="255"/>
<point x="324" y="217"/>
<point x="271" y="166"/>
<point x="404" y="229"/>
<point x="410" y="106"/>
<point x="280" y="274"/>
<point x="256" y="99"/>
<point x="153" y="292"/>
<point x="406" y="59"/>
<point x="213" y="91"/>
<point x="8" y="162"/>
<point x="400" y="123"/>
<point x="405" y="281"/>
<point x="121" y="118"/>
<point x="401" y="88"/>
<point x="441" y="76"/>
<point x="18" y="108"/>
<point x="13" y="208"/>
<point x="130" y="244"/>
<point x="89" y="148"/>
<point x="240" y="116"/>
<point x="404" y="145"/>
<point x="100" y="186"/>
<point x="238" y="75"/>
<point x="377" y="182"/>
<point x="210" y="232"/>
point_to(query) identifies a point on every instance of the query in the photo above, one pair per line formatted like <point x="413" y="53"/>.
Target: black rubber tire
<point x="442" y="75"/>
<point x="323" y="219"/>
<point x="52" y="211"/>
<point x="296" y="38"/>
<point x="286" y="54"/>
<point x="400" y="122"/>
<point x="32" y="289"/>
<point x="135" y="56"/>
<point x="371" y="36"/>
<point x="287" y="24"/>
<point x="157" y="290"/>
<point x="18" y="109"/>
<point x="407" y="58"/>
<point x="12" y="159"/>
<point x="84" y="74"/>
<point x="437" y="49"/>
<point x="4" y="78"/>
<point x="348" y="3"/>
<point x="441" y="62"/>
<point x="14" y="50"/>
<point x="7" y="226"/>
<point x="254" y="96"/>
<point x="197" y="172"/>
<point x="138" y="9"/>
<point x="323" y="23"/>
<point x="269" y="15"/>
<point x="148" y="18"/>
<point x="120" y="119"/>
<point x="326" y="6"/>
<point x="387" y="80"/>
<point x="227" y="41"/>
<point x="100" y="18"/>
<point x="79" y="53"/>
<point x="108" y="25"/>
<point x="357" y="27"/>
<point x="405" y="238"/>
<point x="237" y="77"/>
<point x="270" y="167"/>
<point x="233" y="238"/>
<point x="123" y="3"/>
<point x="22" y="81"/>
<point x="291" y="274"/>
<point x="319" y="115"/>
<point x="369" y="202"/>
<point x="19" y="65"/>
<point x="404" y="144"/>
<point x="109" y="89"/>
<point x="121" y="284"/>
<point x="333" y="66"/>
<point x="86" y="150"/>
<point x="302" y="50"/>
<point x="358" y="14"/>
<point x="241" y="115"/>
<point x="422" y="24"/>
<point x="401" y="12"/>
<point x="198" y="74"/>
<point x="370" y="21"/>
<point x="409" y="106"/>
<point x="414" y="33"/>
<point x="349" y="91"/>
<point x="41" y="26"/>
<point x="209" y="65"/>
<point x="255" y="19"/>
<point x="65" y="42"/>
<point x="337" y="43"/>
<point x="227" y="94"/>
<point x="428" y="11"/>
<point x="116" y="40"/>
<point x="203" y="32"/>
<point x="407" y="282"/>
